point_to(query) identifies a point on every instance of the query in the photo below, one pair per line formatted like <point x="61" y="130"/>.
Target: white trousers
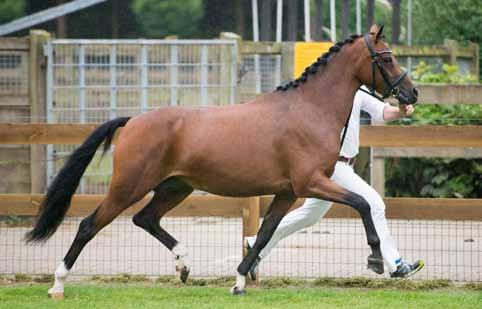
<point x="314" y="209"/>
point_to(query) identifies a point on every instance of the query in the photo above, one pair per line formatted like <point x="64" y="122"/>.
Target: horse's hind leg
<point x="107" y="211"/>
<point x="167" y="195"/>
<point x="326" y="189"/>
<point x="278" y="208"/>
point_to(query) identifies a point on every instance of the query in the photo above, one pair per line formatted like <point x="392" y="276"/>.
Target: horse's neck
<point x="332" y="92"/>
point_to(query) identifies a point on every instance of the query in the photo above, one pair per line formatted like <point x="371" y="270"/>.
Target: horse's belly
<point x="237" y="188"/>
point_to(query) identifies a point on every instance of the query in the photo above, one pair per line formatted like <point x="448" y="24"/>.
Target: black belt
<point x="349" y="161"/>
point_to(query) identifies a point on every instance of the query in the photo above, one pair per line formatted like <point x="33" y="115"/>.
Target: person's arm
<point x="394" y="113"/>
<point x="380" y="111"/>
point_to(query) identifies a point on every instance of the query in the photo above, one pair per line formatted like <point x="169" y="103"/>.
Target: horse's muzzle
<point x="410" y="98"/>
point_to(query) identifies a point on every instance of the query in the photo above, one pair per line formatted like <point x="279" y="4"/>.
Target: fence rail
<point x="374" y="135"/>
<point x="450" y="51"/>
<point x="212" y="205"/>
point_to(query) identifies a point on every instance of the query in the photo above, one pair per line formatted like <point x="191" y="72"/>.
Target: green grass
<point x="149" y="295"/>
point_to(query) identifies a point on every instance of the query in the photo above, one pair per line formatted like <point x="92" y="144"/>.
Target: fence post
<point x="251" y="219"/>
<point x="451" y="46"/>
<point x="239" y="40"/>
<point x="287" y="60"/>
<point x="232" y="95"/>
<point x="377" y="176"/>
<point x="37" y="86"/>
<point x="475" y="59"/>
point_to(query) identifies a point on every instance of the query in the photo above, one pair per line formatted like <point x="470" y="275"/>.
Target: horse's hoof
<point x="237" y="291"/>
<point x="56" y="295"/>
<point x="375" y="265"/>
<point x="184" y="274"/>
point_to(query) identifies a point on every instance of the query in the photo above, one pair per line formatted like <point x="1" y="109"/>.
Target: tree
<point x="266" y="21"/>
<point x="159" y="18"/>
<point x="239" y="16"/>
<point x="11" y="9"/>
<point x="292" y="13"/>
<point x="345" y="11"/>
<point x="318" y="21"/>
<point x="395" y="21"/>
<point x="61" y="23"/>
<point x="449" y="19"/>
<point x="370" y="12"/>
<point x="217" y="16"/>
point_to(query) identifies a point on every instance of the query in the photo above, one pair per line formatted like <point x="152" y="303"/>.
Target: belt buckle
<point x="351" y="161"/>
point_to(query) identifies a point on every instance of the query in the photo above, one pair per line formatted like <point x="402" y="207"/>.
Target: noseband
<point x="391" y="88"/>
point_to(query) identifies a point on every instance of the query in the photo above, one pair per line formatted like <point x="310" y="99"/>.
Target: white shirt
<point x="371" y="105"/>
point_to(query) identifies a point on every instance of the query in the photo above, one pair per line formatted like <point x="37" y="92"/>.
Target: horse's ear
<point x="379" y="34"/>
<point x="373" y="29"/>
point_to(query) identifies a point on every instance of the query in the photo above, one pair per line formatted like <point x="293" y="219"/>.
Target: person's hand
<point x="406" y="110"/>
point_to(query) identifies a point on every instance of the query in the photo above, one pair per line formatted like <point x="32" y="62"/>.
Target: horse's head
<point x="380" y="71"/>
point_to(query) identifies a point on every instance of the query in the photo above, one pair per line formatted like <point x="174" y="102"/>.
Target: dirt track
<point x="333" y="247"/>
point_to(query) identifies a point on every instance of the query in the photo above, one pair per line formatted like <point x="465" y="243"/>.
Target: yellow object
<point x="306" y="53"/>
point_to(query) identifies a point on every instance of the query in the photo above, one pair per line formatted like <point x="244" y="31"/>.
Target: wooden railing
<point x="450" y="51"/>
<point x="250" y="209"/>
<point x="373" y="135"/>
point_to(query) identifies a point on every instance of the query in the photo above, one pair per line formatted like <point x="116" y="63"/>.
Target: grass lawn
<point x="148" y="295"/>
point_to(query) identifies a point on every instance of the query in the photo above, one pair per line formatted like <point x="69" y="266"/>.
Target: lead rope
<point x="347" y="122"/>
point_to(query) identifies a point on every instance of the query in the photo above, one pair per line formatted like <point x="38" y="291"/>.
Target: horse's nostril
<point x="415" y="92"/>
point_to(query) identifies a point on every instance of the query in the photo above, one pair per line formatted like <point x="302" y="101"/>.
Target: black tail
<point x="59" y="194"/>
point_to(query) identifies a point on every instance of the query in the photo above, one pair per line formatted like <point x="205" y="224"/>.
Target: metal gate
<point x="91" y="81"/>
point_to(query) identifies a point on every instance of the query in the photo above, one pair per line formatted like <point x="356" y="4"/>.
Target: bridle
<point x="391" y="88"/>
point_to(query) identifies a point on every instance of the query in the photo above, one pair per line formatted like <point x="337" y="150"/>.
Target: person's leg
<point x="308" y="214"/>
<point x="351" y="181"/>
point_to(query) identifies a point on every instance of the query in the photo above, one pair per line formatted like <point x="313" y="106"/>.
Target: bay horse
<point x="284" y="143"/>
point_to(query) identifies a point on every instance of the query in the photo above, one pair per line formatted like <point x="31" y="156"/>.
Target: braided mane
<point x="313" y="68"/>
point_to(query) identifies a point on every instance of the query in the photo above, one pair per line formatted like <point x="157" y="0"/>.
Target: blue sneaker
<point x="405" y="269"/>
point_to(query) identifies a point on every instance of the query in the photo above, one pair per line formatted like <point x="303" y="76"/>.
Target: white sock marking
<point x="181" y="256"/>
<point x="240" y="281"/>
<point x="60" y="275"/>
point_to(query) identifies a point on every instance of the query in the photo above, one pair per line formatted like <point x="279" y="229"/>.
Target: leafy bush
<point x="425" y="73"/>
<point x="434" y="177"/>
<point x="437" y="177"/>
<point x="159" y="18"/>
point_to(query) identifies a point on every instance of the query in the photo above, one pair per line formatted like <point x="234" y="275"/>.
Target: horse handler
<point x="314" y="209"/>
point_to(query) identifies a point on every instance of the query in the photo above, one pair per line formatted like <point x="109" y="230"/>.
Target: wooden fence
<point x="22" y="99"/>
<point x="450" y="53"/>
<point x="251" y="209"/>
<point x="457" y="141"/>
<point x="371" y="135"/>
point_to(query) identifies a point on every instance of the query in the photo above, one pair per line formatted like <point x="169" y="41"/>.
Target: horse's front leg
<point x="278" y="208"/>
<point x="324" y="188"/>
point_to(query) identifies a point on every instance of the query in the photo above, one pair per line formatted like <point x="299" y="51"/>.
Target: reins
<point x="345" y="129"/>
